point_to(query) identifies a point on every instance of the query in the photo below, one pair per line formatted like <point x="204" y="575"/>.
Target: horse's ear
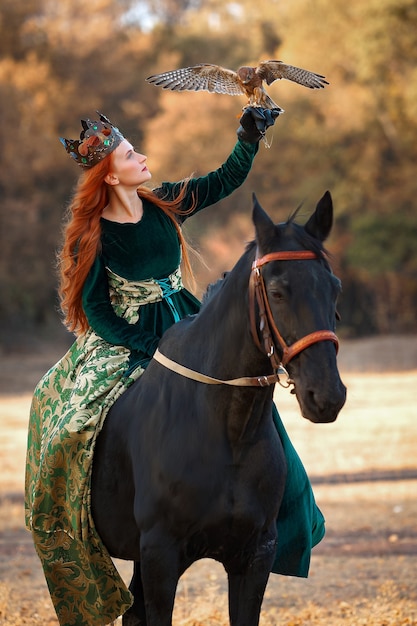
<point x="264" y="226"/>
<point x="320" y="223"/>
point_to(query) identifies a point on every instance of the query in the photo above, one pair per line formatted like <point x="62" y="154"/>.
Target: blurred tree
<point x="171" y="12"/>
<point x="383" y="255"/>
<point x="63" y="61"/>
<point x="13" y="17"/>
<point x="53" y="71"/>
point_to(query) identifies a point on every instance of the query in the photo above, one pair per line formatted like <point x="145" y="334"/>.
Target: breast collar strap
<point x="245" y="381"/>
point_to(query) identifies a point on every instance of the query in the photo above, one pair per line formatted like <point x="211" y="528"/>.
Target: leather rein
<point x="267" y="328"/>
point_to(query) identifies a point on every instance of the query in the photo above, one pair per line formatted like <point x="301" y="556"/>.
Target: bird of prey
<point x="246" y="81"/>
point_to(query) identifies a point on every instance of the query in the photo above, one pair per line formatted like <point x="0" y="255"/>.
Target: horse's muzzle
<point x="322" y="407"/>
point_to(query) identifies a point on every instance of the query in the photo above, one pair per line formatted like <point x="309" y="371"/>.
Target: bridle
<point x="267" y="328"/>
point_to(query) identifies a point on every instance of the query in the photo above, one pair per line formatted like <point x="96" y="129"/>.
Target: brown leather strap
<point x="255" y="293"/>
<point x="267" y="326"/>
<point x="284" y="255"/>
<point x="307" y="341"/>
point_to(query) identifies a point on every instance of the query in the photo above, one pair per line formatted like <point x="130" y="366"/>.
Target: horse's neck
<point x="245" y="416"/>
<point x="220" y="334"/>
<point x="217" y="342"/>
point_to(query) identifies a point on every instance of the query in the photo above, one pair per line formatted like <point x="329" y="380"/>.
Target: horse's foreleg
<point x="247" y="588"/>
<point x="136" y="616"/>
<point x="246" y="592"/>
<point x="159" y="564"/>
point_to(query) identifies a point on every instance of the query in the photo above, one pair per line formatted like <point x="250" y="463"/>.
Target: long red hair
<point x="82" y="233"/>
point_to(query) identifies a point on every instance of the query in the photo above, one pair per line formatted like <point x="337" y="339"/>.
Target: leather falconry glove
<point x="254" y="123"/>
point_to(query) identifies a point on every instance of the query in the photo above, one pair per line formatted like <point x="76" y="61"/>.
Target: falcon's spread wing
<point x="203" y="77"/>
<point x="274" y="70"/>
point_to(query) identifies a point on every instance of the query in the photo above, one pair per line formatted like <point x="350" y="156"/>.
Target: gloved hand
<point x="254" y="123"/>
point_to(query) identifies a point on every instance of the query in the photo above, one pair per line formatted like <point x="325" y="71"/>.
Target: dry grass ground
<point x="364" y="470"/>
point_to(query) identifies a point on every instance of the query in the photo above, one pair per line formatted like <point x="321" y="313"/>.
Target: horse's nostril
<point x="321" y="406"/>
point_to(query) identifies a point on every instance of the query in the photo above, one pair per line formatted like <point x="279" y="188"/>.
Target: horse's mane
<point x="302" y="237"/>
<point x="212" y="289"/>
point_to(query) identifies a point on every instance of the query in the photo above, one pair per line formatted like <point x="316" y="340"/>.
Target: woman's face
<point x="128" y="168"/>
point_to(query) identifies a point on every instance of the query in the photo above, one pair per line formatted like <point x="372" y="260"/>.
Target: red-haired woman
<point x="121" y="288"/>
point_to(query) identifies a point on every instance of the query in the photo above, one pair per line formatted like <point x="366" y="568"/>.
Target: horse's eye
<point x="277" y="294"/>
<point x="277" y="289"/>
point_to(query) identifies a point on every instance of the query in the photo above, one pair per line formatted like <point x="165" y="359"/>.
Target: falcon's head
<point x="246" y="74"/>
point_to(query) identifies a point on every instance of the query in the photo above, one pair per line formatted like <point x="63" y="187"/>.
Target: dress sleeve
<point x="216" y="185"/>
<point x="103" y="319"/>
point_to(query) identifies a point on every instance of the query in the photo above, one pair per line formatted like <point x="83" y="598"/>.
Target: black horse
<point x="189" y="464"/>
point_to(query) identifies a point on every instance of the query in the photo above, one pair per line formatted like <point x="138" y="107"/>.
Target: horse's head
<point x="300" y="294"/>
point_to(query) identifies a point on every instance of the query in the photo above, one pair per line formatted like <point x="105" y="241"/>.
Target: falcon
<point x="246" y="81"/>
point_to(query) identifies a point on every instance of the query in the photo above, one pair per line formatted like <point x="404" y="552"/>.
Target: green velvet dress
<point x="132" y="294"/>
<point x="150" y="249"/>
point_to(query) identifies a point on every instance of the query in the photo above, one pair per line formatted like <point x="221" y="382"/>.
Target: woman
<point x="121" y="288"/>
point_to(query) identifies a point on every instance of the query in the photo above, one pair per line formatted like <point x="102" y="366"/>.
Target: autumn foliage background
<point x="62" y="61"/>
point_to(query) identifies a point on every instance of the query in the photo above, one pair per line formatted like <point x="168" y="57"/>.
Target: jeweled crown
<point x="97" y="140"/>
